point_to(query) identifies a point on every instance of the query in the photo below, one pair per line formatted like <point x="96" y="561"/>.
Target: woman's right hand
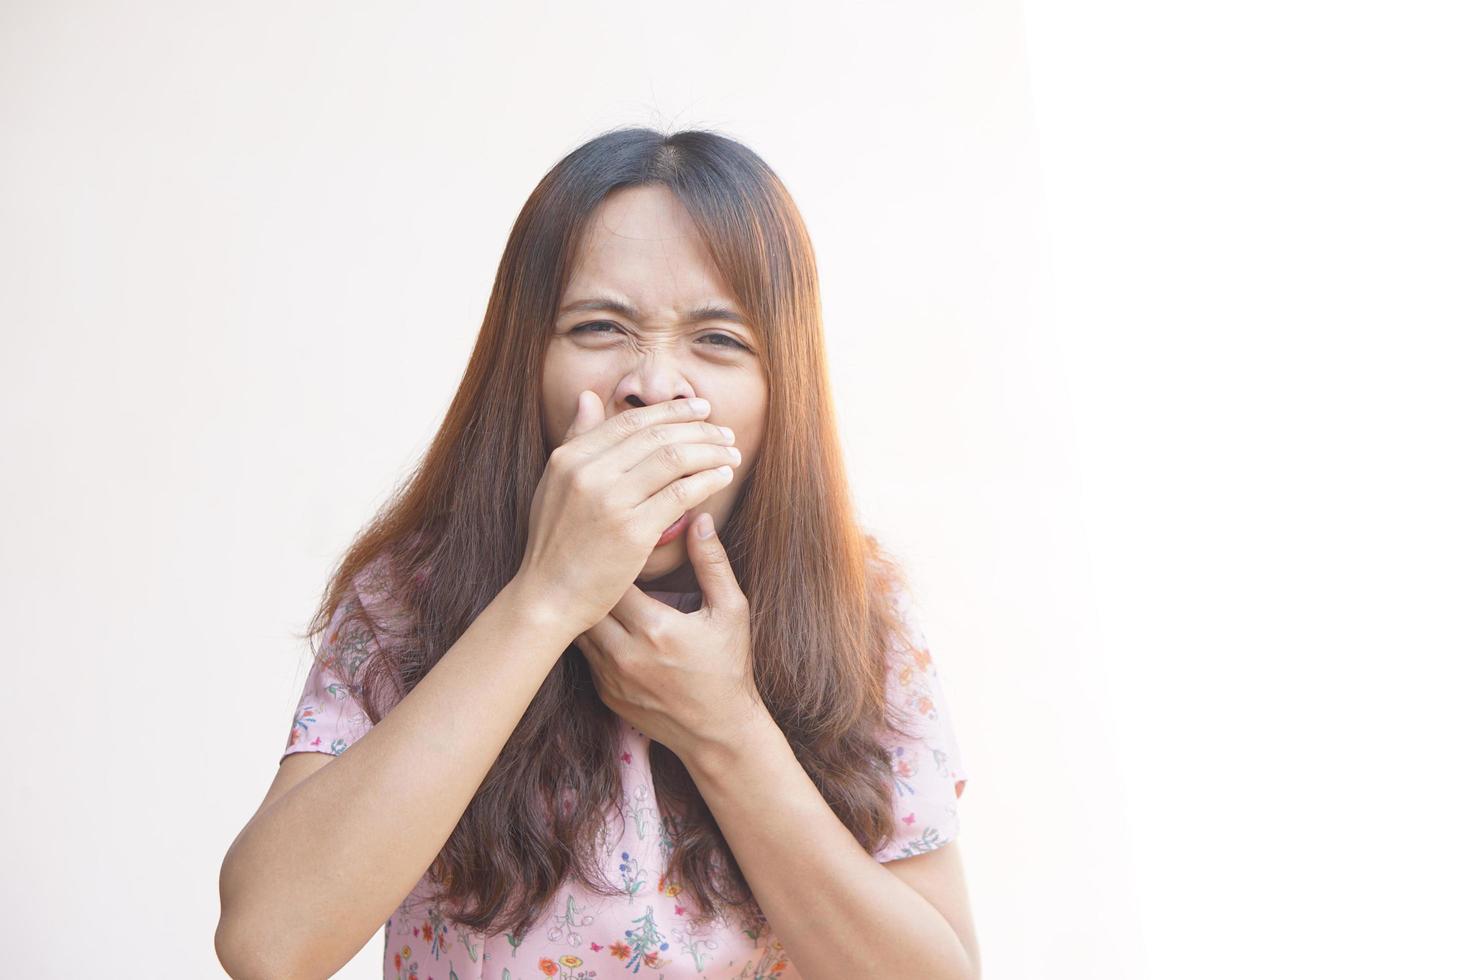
<point x="609" y="491"/>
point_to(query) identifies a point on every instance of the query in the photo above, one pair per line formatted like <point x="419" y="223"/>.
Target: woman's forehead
<point x="649" y="214"/>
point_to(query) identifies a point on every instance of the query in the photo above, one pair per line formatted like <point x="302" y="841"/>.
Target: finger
<point x="589" y="415"/>
<point x="637" y="609"/>
<point x="712" y="568"/>
<point x="638" y="447"/>
<point x="667" y="505"/>
<point x="606" y="632"/>
<point x="671" y="462"/>
<point x="609" y="432"/>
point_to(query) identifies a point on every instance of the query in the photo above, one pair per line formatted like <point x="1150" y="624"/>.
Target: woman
<point x="616" y="681"/>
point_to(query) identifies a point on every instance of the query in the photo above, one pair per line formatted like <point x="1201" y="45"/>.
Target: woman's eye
<point x="733" y="343"/>
<point x="596" y="323"/>
<point x="724" y="339"/>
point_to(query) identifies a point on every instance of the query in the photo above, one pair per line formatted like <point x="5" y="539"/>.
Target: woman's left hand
<point x="683" y="679"/>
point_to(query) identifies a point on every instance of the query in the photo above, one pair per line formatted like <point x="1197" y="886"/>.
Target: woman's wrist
<point x="541" y="607"/>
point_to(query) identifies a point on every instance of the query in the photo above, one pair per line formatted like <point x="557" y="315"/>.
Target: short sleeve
<point x="330" y="716"/>
<point x="928" y="770"/>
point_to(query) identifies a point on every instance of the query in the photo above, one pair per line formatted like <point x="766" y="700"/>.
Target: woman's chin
<point x="664" y="559"/>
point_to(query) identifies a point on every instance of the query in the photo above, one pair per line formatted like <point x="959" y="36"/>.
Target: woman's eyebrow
<point x="706" y="311"/>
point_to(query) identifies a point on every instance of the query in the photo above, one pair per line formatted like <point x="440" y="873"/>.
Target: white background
<point x="1148" y="329"/>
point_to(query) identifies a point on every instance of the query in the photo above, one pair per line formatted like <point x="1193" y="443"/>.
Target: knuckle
<point x="671" y="456"/>
<point x="678" y="491"/>
<point x="580" y="479"/>
<point x="625" y="526"/>
<point x="627" y="423"/>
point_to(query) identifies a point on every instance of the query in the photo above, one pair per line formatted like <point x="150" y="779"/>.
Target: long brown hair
<point x="820" y="588"/>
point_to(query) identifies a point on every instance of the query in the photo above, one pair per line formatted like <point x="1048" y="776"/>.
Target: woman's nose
<point x="653" y="381"/>
<point x="636" y="401"/>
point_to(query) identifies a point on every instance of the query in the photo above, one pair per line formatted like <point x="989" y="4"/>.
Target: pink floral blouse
<point x="585" y="935"/>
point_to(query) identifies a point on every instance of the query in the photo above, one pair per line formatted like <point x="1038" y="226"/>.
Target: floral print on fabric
<point x="646" y="930"/>
<point x="928" y="772"/>
<point x="329" y="716"/>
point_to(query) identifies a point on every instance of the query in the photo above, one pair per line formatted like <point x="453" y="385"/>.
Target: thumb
<point x="589" y="415"/>
<point x="712" y="565"/>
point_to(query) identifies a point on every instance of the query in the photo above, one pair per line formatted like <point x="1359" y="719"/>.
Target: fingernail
<point x="704" y="526"/>
<point x="699" y="404"/>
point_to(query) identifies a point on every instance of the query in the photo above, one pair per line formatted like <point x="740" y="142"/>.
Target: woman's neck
<point x="681" y="579"/>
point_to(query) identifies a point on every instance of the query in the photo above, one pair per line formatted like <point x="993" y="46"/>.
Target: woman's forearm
<point x="839" y="914"/>
<point x="317" y="872"/>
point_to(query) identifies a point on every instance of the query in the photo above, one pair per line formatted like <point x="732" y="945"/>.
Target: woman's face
<point x="643" y="251"/>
